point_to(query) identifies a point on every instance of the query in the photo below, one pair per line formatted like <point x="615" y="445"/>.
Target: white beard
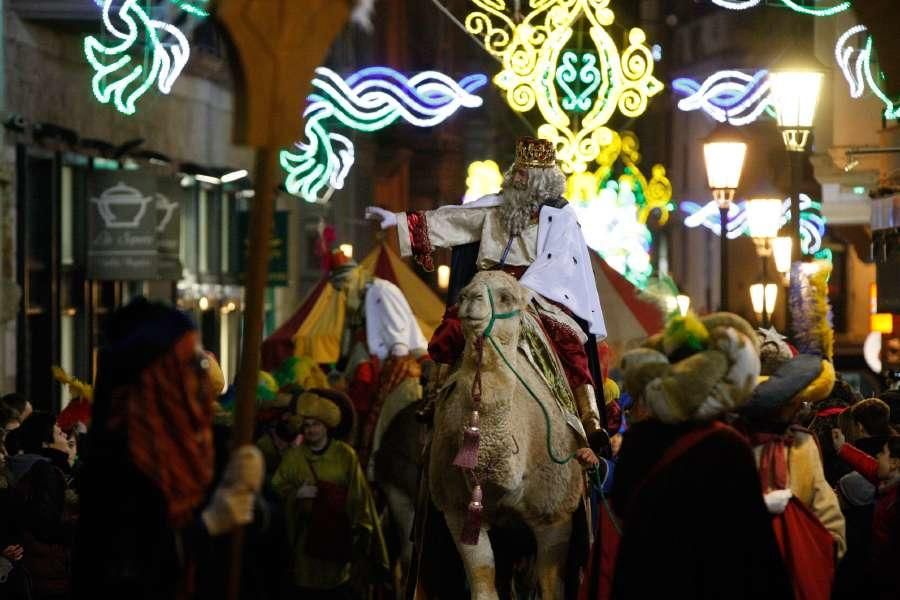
<point x="517" y="208"/>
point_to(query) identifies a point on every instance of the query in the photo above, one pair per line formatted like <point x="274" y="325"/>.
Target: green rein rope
<point x="487" y="334"/>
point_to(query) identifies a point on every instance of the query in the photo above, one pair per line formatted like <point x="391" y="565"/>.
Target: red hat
<point x="340" y="263"/>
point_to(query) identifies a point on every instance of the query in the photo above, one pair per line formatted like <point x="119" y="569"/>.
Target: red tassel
<point x="467" y="457"/>
<point x="472" y="525"/>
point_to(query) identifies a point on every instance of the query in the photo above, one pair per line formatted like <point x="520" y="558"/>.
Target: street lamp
<point x="724" y="152"/>
<point x="763" y="297"/>
<point x="764" y="216"/>
<point x="781" y="252"/>
<point x="795" y="82"/>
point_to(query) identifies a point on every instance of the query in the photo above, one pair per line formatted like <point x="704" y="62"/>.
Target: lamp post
<point x="724" y="152"/>
<point x="796" y="81"/>
<point x="763" y="221"/>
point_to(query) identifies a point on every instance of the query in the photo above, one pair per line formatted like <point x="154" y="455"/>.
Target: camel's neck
<point x="497" y="379"/>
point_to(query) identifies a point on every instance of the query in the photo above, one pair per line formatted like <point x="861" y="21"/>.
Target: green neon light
<point x="588" y="76"/>
<point x="109" y="61"/>
<point x="824" y="254"/>
<point x="116" y="91"/>
<point x="193" y="7"/>
<point x="892" y="111"/>
<point x="817" y="12"/>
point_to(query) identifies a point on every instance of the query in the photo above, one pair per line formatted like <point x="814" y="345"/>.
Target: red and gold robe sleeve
<point x="419" y="232"/>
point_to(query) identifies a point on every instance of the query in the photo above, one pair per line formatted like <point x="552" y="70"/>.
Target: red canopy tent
<point x="315" y="329"/>
<point x="629" y="319"/>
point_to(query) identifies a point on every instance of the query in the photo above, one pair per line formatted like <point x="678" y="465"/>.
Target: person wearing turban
<point x="686" y="493"/>
<point x="148" y="502"/>
<point x="331" y="515"/>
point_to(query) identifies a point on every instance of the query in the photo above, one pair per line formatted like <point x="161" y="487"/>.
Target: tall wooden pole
<point x="260" y="233"/>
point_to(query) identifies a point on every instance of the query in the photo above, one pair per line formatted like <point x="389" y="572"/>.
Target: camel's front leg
<point x="552" y="550"/>
<point x="478" y="560"/>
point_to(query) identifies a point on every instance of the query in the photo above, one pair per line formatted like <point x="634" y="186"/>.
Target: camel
<point x="514" y="467"/>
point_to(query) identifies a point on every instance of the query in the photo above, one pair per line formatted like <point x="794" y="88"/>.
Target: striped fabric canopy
<point x="629" y="319"/>
<point x="315" y="329"/>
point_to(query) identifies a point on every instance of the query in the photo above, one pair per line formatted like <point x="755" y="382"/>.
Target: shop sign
<point x="134" y="226"/>
<point x="122" y="238"/>
<point x="278" y="248"/>
<point x="170" y="197"/>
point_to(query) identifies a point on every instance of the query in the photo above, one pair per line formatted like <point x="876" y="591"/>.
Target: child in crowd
<point x="882" y="471"/>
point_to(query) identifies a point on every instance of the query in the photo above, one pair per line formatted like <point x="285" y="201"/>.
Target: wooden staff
<point x="277" y="44"/>
<point x="260" y="233"/>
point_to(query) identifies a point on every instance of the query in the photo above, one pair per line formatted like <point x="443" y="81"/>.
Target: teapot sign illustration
<point x="122" y="206"/>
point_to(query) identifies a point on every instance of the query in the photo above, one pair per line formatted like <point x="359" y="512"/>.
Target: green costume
<point x="338" y="465"/>
<point x="271" y="454"/>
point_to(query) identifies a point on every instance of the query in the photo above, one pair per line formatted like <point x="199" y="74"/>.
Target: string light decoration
<point x="541" y="70"/>
<point x="892" y="111"/>
<point x="791" y="4"/>
<point x="727" y="96"/>
<point x="607" y="218"/>
<point x="120" y="78"/>
<point x="654" y="194"/>
<point x="812" y="222"/>
<point x="856" y="66"/>
<point x="483" y="177"/>
<point x="588" y="75"/>
<point x="198" y="8"/>
<point x="843" y="55"/>
<point x="368" y="100"/>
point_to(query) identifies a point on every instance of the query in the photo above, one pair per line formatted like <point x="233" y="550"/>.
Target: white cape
<point x="562" y="270"/>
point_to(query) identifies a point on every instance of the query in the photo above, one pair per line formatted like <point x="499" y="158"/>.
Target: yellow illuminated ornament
<point x="542" y="69"/>
<point x="652" y="194"/>
<point x="482" y="178"/>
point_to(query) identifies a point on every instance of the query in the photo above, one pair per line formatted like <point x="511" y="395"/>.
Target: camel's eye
<point x="506" y="297"/>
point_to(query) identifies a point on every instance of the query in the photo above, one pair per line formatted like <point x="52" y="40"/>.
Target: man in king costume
<point x="530" y="231"/>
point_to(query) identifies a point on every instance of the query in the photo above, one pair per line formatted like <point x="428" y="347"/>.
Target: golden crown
<point x="533" y="152"/>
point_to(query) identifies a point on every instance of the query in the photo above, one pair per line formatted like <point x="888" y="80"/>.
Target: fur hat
<point x="804" y="378"/>
<point x="710" y="366"/>
<point x="641" y="366"/>
<point x="314" y="406"/>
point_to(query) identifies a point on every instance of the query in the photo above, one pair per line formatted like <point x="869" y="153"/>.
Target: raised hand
<point x="385" y="217"/>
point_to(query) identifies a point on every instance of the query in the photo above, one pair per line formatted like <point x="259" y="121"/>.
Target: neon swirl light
<point x="121" y="79"/>
<point x="843" y="55"/>
<point x="806" y="10"/>
<point x="368" y="100"/>
<point x="812" y="223"/>
<point x="539" y="68"/>
<point x="817" y="12"/>
<point x="707" y="215"/>
<point x="587" y="75"/>
<point x="193" y="7"/>
<point x="727" y="96"/>
<point x="737" y="5"/>
<point x="858" y="72"/>
<point x="892" y="111"/>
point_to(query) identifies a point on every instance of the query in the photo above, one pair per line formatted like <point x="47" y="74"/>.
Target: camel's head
<point x="475" y="309"/>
